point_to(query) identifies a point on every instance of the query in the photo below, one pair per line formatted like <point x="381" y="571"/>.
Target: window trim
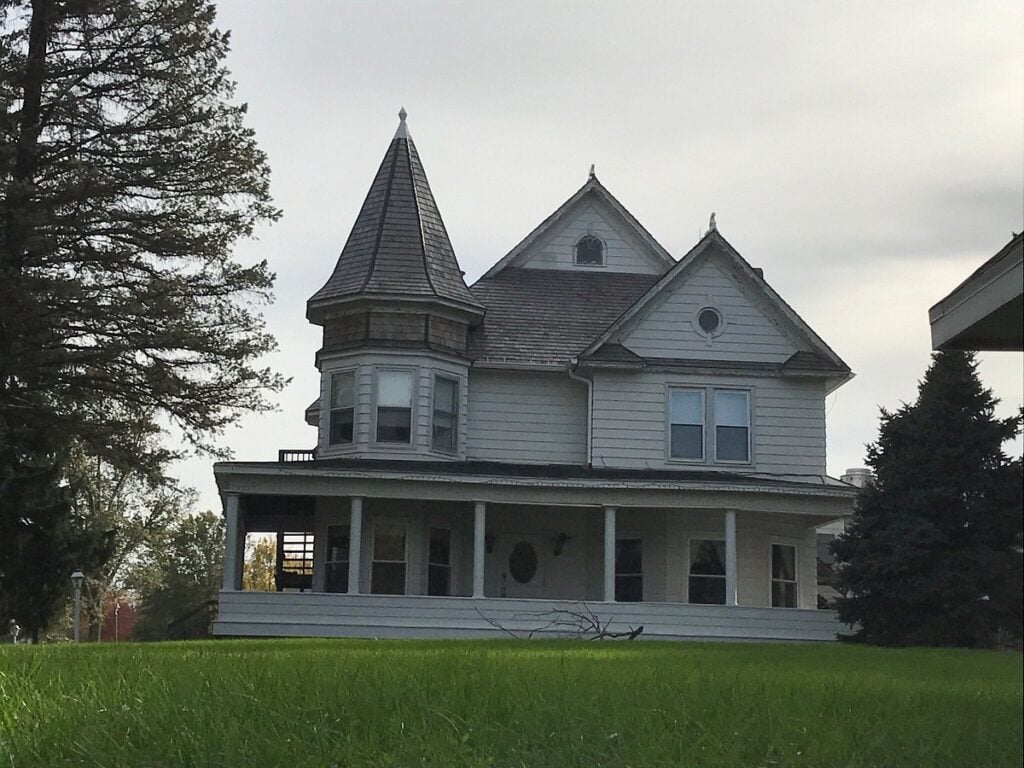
<point x="604" y="251"/>
<point x="714" y="416"/>
<point x="457" y="380"/>
<point x="783" y="542"/>
<point x="710" y="426"/>
<point x="354" y="373"/>
<point x="704" y="423"/>
<point x="700" y="536"/>
<point x="404" y="525"/>
<point x="413" y="371"/>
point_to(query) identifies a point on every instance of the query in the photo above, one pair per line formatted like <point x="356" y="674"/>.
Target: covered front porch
<point x="400" y="553"/>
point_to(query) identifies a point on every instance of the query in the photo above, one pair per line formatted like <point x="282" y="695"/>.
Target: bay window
<point x="394" y="406"/>
<point x="342" y="411"/>
<point x="445" y="430"/>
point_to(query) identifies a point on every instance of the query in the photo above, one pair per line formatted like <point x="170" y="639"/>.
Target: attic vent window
<point x="590" y="251"/>
<point x="709" y="320"/>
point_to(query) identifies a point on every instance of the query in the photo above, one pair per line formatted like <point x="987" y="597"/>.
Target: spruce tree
<point x="127" y="178"/>
<point x="933" y="554"/>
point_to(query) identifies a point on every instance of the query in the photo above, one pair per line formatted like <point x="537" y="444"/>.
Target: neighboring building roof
<point x="820" y="356"/>
<point x="545" y="317"/>
<point x="597" y="189"/>
<point x="986" y="311"/>
<point x="398" y="246"/>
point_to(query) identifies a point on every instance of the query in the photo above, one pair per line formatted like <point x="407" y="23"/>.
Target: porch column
<point x="609" y="554"/>
<point x="355" y="542"/>
<point x="232" y="566"/>
<point x="730" y="557"/>
<point x="479" y="546"/>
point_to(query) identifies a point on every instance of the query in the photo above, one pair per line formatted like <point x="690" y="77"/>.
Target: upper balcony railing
<point x="301" y="454"/>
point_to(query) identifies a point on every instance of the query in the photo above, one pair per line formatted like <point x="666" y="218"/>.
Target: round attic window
<point x="709" y="321"/>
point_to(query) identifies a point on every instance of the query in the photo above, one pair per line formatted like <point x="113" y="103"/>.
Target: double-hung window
<point x="387" y="576"/>
<point x="445" y="433"/>
<point x="343" y="401"/>
<point x="336" y="577"/>
<point x="394" y="406"/>
<point x="783" y="576"/>
<point x="629" y="571"/>
<point x="439" y="562"/>
<point x="686" y="424"/>
<point x="732" y="425"/>
<point x="707" y="571"/>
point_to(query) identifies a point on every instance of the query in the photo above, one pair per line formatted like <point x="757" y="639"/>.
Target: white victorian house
<point x="593" y="427"/>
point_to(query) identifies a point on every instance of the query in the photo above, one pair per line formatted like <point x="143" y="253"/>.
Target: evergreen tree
<point x="933" y="554"/>
<point x="127" y="176"/>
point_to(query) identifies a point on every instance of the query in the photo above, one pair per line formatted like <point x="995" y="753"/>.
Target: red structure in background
<point x="119" y="621"/>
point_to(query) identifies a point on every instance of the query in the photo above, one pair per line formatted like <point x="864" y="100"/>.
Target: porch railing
<point x="293" y="455"/>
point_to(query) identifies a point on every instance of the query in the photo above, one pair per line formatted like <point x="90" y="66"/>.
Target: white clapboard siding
<point x="623" y="253"/>
<point x="274" y="614"/>
<point x="787" y="421"/>
<point x="668" y="329"/>
<point x="526" y="417"/>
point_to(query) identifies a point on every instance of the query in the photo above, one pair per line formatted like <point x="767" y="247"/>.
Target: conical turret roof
<point x="398" y="247"/>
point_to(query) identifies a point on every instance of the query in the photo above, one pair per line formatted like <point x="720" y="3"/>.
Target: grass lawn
<point x="506" y="703"/>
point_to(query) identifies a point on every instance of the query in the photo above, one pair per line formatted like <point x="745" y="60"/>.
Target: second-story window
<point x="343" y="402"/>
<point x="732" y="425"/>
<point x="394" y="406"/>
<point x="589" y="251"/>
<point x="686" y="424"/>
<point x="445" y="433"/>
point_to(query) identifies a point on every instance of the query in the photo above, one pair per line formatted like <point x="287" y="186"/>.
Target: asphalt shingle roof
<point x="398" y="244"/>
<point x="545" y="316"/>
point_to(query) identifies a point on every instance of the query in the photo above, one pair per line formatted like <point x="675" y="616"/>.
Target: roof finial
<point x="712" y="226"/>
<point x="592" y="175"/>
<point x="403" y="129"/>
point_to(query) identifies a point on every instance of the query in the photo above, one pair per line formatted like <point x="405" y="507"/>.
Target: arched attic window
<point x="589" y="251"/>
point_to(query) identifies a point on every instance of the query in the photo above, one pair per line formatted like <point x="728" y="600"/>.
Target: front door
<point x="522" y="565"/>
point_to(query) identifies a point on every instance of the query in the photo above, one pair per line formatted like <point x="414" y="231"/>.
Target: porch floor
<point x="315" y="614"/>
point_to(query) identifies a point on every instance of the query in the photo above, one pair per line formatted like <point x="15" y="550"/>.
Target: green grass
<point x="377" y="703"/>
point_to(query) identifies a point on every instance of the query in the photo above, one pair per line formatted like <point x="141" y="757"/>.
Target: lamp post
<point x="76" y="580"/>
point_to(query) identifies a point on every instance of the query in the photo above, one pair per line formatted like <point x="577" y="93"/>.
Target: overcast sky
<point x="868" y="156"/>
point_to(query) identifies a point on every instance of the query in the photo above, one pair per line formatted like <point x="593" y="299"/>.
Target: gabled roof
<point x="398" y="246"/>
<point x="547" y="317"/>
<point x="597" y="189"/>
<point x="824" y="357"/>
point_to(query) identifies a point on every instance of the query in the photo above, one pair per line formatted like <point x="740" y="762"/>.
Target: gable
<point x="670" y="329"/>
<point x="622" y="252"/>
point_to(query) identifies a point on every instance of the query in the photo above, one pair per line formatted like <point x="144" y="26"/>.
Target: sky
<point x="868" y="156"/>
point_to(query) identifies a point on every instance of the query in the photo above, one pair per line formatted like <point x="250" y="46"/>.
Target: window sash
<point x="784" y="576"/>
<point x="706" y="582"/>
<point x="389" y="564"/>
<point x="394" y="406"/>
<point x="336" y="562"/>
<point x="445" y="428"/>
<point x="732" y="426"/>
<point x="439" y="562"/>
<point x="342" y="411"/>
<point x="394" y="389"/>
<point x="686" y="424"/>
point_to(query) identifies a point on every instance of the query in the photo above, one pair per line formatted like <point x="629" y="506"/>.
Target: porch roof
<point x="539" y="483"/>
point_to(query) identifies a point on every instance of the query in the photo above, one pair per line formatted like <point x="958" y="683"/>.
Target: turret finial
<point x="593" y="173"/>
<point x="403" y="129"/>
<point x="712" y="224"/>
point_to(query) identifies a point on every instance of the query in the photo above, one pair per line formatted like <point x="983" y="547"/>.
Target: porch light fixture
<point x="560" y="541"/>
<point x="76" y="581"/>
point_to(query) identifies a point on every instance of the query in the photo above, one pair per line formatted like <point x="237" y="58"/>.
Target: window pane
<point x="628" y="556"/>
<point x="707" y="557"/>
<point x="337" y="577"/>
<point x="341" y="426"/>
<point x="687" y="442"/>
<point x="445" y="392"/>
<point x="783" y="594"/>
<point x="589" y="250"/>
<point x="784" y="562"/>
<point x="707" y="590"/>
<point x="394" y="388"/>
<point x="629" y="589"/>
<point x="343" y="390"/>
<point x="440" y="546"/>
<point x="686" y="407"/>
<point x="731" y="409"/>
<point x="731" y="444"/>
<point x="438" y="580"/>
<point x="337" y="543"/>
<point x="389" y="543"/>
<point x="394" y="425"/>
<point x="388" y="579"/>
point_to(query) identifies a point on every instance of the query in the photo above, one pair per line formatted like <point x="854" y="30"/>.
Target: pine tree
<point x="128" y="176"/>
<point x="933" y="554"/>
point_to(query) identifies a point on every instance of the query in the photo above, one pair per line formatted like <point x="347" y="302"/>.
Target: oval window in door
<point x="522" y="562"/>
